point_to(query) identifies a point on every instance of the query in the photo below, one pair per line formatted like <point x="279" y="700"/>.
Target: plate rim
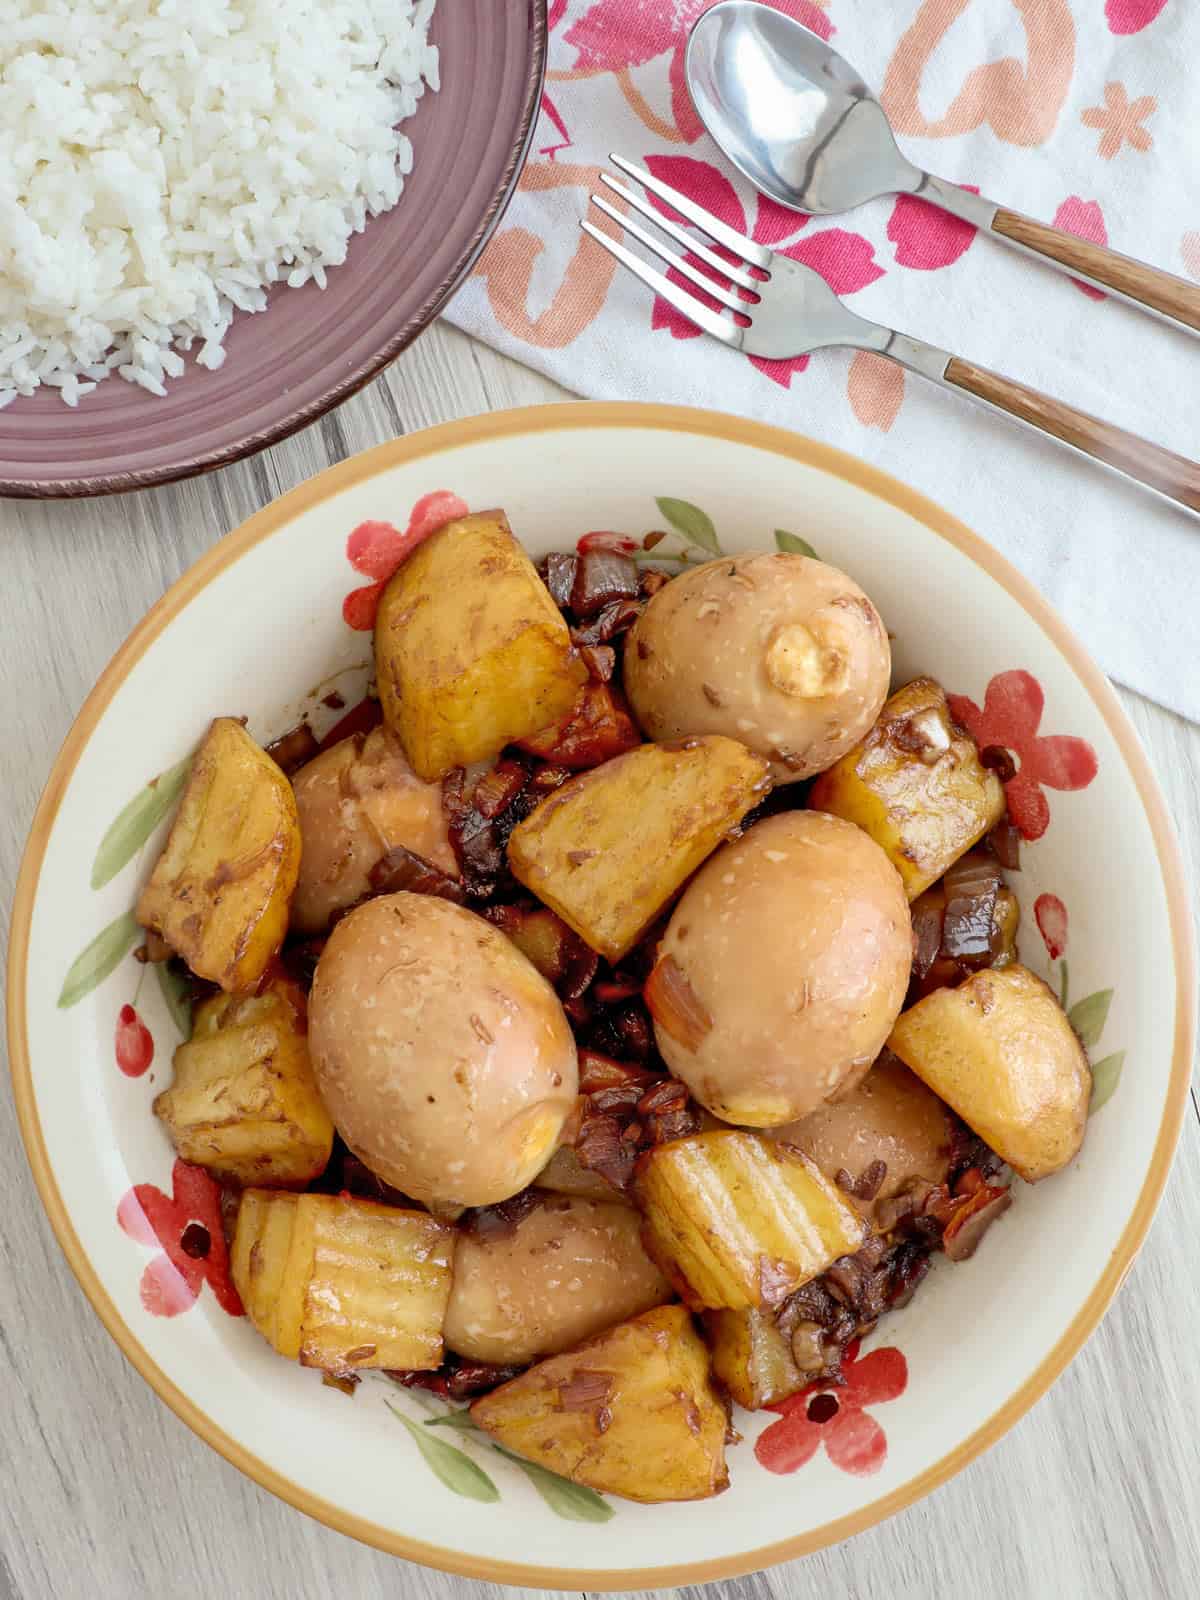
<point x="557" y="417"/>
<point x="96" y="485"/>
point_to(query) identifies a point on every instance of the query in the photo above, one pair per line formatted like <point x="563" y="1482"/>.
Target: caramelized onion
<point x="360" y="718"/>
<point x="558" y="574"/>
<point x="927" y="918"/>
<point x="598" y="1072"/>
<point x="586" y="1390"/>
<point x="971" y="1220"/>
<point x="405" y="869"/>
<point x="293" y="749"/>
<point x="971" y="888"/>
<point x="602" y="576"/>
<point x="1005" y="840"/>
<point x="497" y="789"/>
<point x="675" y="1006"/>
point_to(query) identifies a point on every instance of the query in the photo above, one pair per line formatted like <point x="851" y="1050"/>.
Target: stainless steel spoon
<point x="797" y="120"/>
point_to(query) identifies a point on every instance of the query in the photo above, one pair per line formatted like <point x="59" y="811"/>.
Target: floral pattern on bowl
<point x="182" y="1223"/>
<point x="101" y="1158"/>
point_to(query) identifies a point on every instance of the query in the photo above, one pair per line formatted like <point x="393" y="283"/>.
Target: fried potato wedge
<point x="916" y="785"/>
<point x="244" y="1102"/>
<point x="342" y="1283"/>
<point x="471" y="653"/>
<point x="752" y="1358"/>
<point x="739" y="1221"/>
<point x="221" y="890"/>
<point x="609" y="848"/>
<point x="1000" y="1051"/>
<point x="631" y="1412"/>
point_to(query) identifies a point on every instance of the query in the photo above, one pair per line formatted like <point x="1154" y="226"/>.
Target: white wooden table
<point x="103" y="1493"/>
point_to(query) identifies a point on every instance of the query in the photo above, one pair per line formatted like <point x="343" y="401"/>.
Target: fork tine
<point x="685" y="268"/>
<point x="756" y="254"/>
<point x="681" y="236"/>
<point x="711" y="321"/>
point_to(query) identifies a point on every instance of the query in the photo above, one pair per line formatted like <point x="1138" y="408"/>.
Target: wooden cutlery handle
<point x="1147" y="287"/>
<point x="1173" y="476"/>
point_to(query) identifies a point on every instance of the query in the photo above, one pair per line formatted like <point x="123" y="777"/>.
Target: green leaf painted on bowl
<point x="695" y="525"/>
<point x="454" y="1419"/>
<point x="456" y="1470"/>
<point x="1106" y="1075"/>
<point x="792" y="544"/>
<point x="92" y="965"/>
<point x="574" y="1501"/>
<point x="177" y="993"/>
<point x="1088" y="1016"/>
<point x="130" y="830"/>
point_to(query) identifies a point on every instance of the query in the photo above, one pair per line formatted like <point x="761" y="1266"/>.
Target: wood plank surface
<point x="103" y="1493"/>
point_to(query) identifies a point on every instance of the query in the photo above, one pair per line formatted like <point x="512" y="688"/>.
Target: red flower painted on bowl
<point x="376" y="549"/>
<point x="1051" y="916"/>
<point x="1008" y="725"/>
<point x="133" y="1043"/>
<point x="836" y="1417"/>
<point x="187" y="1225"/>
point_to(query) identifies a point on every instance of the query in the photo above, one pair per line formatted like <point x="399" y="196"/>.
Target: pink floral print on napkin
<point x="1085" y="220"/>
<point x="925" y="236"/>
<point x="1119" y="121"/>
<point x="617" y="35"/>
<point x="1131" y="16"/>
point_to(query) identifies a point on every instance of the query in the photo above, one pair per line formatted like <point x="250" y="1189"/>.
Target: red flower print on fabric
<point x="133" y="1043"/>
<point x="845" y="260"/>
<point x="1085" y="220"/>
<point x="1009" y="721"/>
<point x="614" y="35"/>
<point x="376" y="549"/>
<point x="836" y="1417"/>
<point x="1131" y="16"/>
<point x="186" y="1224"/>
<point x="1051" y="916"/>
<point x="925" y="236"/>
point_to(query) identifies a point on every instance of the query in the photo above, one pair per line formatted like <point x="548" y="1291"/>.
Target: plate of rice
<point x="220" y="218"/>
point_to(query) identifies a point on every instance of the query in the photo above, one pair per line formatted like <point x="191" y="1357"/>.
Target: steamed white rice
<point x="164" y="162"/>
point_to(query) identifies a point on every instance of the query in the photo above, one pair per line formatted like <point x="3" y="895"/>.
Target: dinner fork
<point x="785" y="309"/>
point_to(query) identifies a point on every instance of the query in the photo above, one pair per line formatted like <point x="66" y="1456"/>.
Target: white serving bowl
<point x="256" y="628"/>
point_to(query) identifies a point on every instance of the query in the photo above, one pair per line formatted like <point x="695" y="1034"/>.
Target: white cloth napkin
<point x="1076" y="110"/>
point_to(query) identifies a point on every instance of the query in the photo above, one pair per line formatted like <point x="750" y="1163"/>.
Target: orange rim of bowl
<point x="701" y="424"/>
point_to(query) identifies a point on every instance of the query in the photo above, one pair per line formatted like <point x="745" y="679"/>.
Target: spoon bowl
<point x="797" y="120"/>
<point x="790" y="113"/>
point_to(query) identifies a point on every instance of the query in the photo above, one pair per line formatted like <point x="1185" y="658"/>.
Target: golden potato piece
<point x="1000" y="1051"/>
<point x="752" y="1358"/>
<point x="343" y="1283"/>
<point x="631" y="1412"/>
<point x="609" y="848"/>
<point x="915" y="784"/>
<point x="262" y="1245"/>
<point x="220" y="892"/>
<point x="471" y="653"/>
<point x="244" y="1102"/>
<point x="742" y="1222"/>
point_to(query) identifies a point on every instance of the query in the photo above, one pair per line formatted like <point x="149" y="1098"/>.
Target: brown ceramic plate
<point x="313" y="348"/>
